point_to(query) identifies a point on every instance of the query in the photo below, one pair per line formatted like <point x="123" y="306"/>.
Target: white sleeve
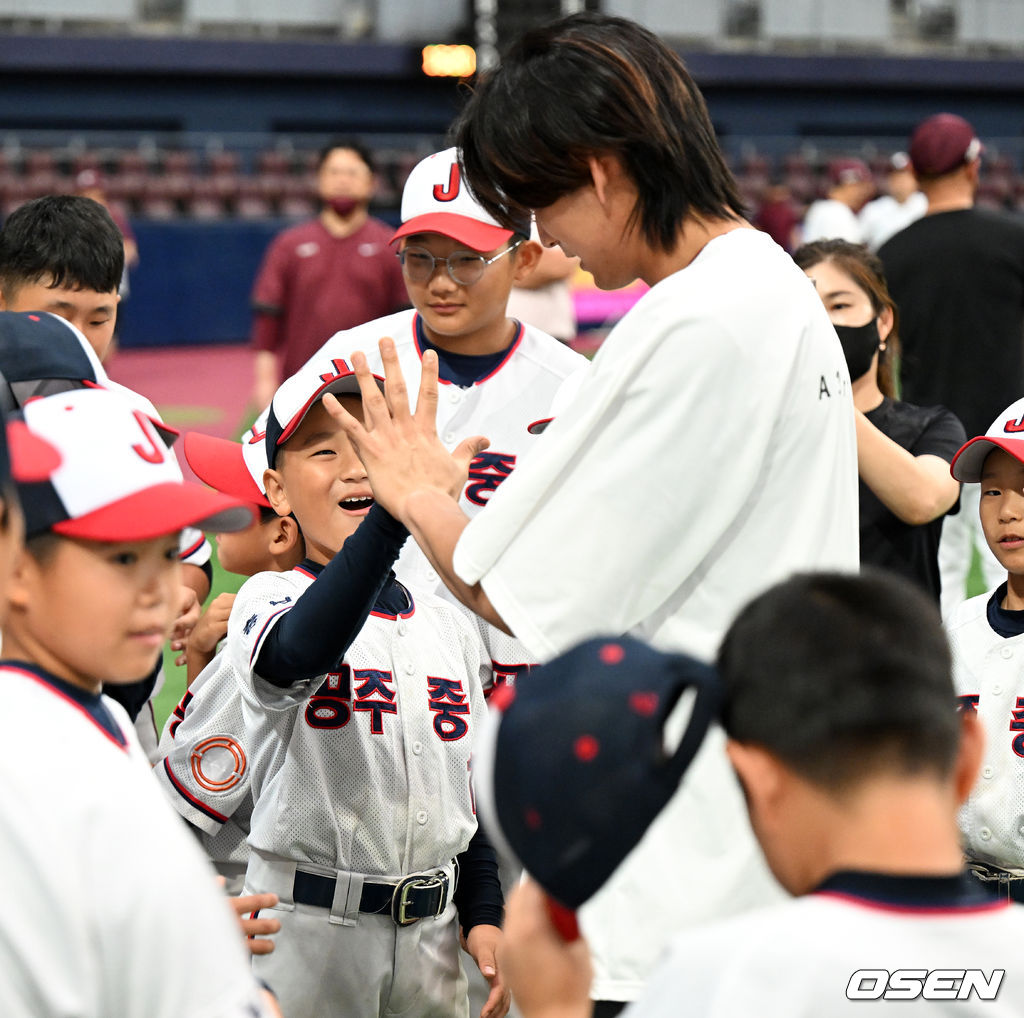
<point x="260" y="604"/>
<point x="629" y="467"/>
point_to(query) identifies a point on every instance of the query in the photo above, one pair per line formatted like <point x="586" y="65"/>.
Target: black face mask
<point x="859" y="345"/>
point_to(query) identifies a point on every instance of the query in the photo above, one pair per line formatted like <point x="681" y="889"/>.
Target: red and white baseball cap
<point x="117" y="479"/>
<point x="1006" y="433"/>
<point x="437" y="200"/>
<point x="232" y="468"/>
<point x="297" y="395"/>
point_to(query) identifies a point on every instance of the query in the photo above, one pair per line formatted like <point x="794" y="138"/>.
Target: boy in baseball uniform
<point x="499" y="377"/>
<point x="361" y="700"/>
<point x="986" y="634"/>
<point x="91" y="854"/>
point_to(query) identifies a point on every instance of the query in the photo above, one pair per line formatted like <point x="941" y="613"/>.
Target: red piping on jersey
<point x="305" y="572"/>
<point x="191" y="551"/>
<point x="189" y="797"/>
<point x="68" y="700"/>
<point x="921" y="910"/>
<point x="520" y="332"/>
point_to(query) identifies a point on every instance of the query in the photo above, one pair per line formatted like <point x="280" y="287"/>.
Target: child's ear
<point x="19" y="588"/>
<point x="284" y="536"/>
<point x="527" y="256"/>
<point x="273" y="485"/>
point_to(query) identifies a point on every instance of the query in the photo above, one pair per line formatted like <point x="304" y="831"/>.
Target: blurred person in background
<point x="904" y="451"/>
<point x="957" y="274"/>
<point x="331" y="273"/>
<point x="835" y="215"/>
<point x="895" y="210"/>
<point x="778" y="216"/>
<point x="543" y="298"/>
<point x="90" y="184"/>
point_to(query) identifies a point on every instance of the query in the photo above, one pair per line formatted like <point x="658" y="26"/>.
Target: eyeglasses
<point x="464" y="267"/>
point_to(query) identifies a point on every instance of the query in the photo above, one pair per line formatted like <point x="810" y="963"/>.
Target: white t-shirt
<point x="109" y="907"/>
<point x="829" y="219"/>
<point x="797" y="959"/>
<point x="885" y="217"/>
<point x="709" y="454"/>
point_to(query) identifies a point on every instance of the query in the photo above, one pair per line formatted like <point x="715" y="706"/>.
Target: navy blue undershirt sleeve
<point x="478" y="898"/>
<point x="312" y="638"/>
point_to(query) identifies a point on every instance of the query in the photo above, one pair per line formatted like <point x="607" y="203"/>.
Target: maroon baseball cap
<point x="943" y="143"/>
<point x="849" y="171"/>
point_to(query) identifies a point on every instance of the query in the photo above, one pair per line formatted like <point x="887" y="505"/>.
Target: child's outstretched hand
<point x="187" y="617"/>
<point x="400" y="448"/>
<point x="211" y="628"/>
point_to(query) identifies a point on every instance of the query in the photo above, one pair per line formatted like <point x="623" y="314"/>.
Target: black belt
<point x="407" y="901"/>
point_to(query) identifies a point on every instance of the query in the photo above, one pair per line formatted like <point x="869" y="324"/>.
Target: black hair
<point x="842" y="677"/>
<point x="353" y="145"/>
<point x="267" y="514"/>
<point x="63" y="241"/>
<point x="590" y="85"/>
<point x="43" y="546"/>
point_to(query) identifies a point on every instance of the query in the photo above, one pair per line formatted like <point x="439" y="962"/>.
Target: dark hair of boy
<point x="352" y="145"/>
<point x="842" y="678"/>
<point x="621" y="90"/>
<point x="62" y="241"/>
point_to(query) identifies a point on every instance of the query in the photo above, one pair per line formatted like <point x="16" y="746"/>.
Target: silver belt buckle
<point x="400" y="901"/>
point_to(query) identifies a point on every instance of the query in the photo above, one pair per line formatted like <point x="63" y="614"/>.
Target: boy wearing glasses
<point x="498" y="377"/>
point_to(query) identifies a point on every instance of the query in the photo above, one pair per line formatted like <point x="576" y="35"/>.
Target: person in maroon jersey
<point x="331" y="273"/>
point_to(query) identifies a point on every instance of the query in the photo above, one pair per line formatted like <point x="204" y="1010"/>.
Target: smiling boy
<point x="360" y="702"/>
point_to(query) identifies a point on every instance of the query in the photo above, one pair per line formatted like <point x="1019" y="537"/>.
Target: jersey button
<point x="421" y="817"/>
<point x="985" y="834"/>
<point x="417" y="748"/>
<point x="449" y="436"/>
<point x="1007" y="652"/>
<point x="997" y="689"/>
<point x="409" y="668"/>
<point x="431" y="576"/>
<point x="402" y="629"/>
<point x="455" y="396"/>
<point x="987" y="772"/>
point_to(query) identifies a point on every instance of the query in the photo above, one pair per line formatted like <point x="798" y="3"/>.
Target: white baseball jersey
<point x="709" y="453"/>
<point x="205" y="767"/>
<point x="988" y="674"/>
<point x="806" y="958"/>
<point x="365" y="769"/>
<point x="109" y="907"/>
<point x="518" y="394"/>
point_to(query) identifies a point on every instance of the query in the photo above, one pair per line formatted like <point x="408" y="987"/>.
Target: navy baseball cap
<point x="580" y="755"/>
<point x="297" y="395"/>
<point x="42" y="354"/>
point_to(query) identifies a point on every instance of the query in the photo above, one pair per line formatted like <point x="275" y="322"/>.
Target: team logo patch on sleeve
<point x="218" y="763"/>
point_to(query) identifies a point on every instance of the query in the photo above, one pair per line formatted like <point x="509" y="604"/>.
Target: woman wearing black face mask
<point x="903" y="450"/>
